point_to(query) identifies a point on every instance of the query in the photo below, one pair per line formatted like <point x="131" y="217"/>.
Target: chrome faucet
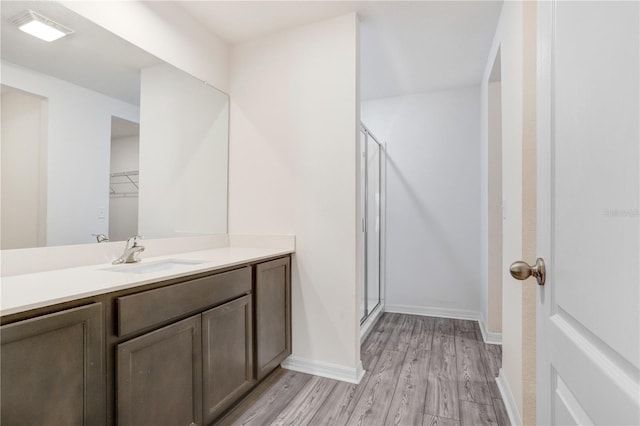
<point x="131" y="251"/>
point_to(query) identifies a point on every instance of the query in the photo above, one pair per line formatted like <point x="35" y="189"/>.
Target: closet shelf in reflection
<point x="124" y="184"/>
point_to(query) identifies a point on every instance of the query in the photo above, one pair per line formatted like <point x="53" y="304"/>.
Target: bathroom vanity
<point x="175" y="346"/>
<point x="172" y="340"/>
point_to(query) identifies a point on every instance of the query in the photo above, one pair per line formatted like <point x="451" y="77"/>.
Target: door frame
<point x="544" y="93"/>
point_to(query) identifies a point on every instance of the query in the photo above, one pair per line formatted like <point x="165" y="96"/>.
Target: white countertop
<point x="20" y="293"/>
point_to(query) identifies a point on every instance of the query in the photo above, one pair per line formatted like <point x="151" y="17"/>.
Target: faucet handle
<point x="101" y="238"/>
<point x="133" y="241"/>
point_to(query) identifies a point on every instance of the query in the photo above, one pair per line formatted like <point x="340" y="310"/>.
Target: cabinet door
<point x="52" y="369"/>
<point x="159" y="377"/>
<point x="273" y="315"/>
<point x="227" y="336"/>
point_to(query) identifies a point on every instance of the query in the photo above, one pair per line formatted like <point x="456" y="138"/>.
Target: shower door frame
<point x="365" y="224"/>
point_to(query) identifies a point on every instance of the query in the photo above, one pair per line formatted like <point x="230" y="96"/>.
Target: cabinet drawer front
<point x="138" y="311"/>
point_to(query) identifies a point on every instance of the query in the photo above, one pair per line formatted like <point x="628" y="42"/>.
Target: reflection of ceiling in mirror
<point x="121" y="128"/>
<point x="92" y="57"/>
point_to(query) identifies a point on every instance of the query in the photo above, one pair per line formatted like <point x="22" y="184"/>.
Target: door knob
<point x="521" y="270"/>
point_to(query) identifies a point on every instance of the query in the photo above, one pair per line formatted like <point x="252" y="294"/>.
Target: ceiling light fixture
<point x="40" y="26"/>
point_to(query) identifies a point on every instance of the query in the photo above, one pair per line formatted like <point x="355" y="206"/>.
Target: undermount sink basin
<point x="160" y="265"/>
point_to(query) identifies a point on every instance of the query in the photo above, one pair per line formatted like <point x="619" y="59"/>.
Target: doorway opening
<point x="24" y="126"/>
<point x="495" y="213"/>
<point x="124" y="179"/>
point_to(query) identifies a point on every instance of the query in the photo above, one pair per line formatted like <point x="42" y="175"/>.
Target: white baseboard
<point x="488" y="337"/>
<point x="366" y="328"/>
<point x="354" y="375"/>
<point x="324" y="369"/>
<point x="429" y="311"/>
<point x="507" y="398"/>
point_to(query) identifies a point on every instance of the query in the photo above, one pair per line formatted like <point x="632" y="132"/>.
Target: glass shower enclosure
<point x="371" y="223"/>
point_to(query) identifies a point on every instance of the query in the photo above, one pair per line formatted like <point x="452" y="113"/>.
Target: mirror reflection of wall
<point x="124" y="179"/>
<point x="182" y="154"/>
<point x="88" y="81"/>
<point x="78" y="134"/>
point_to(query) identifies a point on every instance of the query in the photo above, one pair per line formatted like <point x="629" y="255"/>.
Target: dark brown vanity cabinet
<point x="188" y="372"/>
<point x="52" y="369"/>
<point x="272" y="293"/>
<point x="179" y="352"/>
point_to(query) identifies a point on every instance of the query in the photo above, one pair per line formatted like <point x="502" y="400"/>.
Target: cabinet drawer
<point x="141" y="310"/>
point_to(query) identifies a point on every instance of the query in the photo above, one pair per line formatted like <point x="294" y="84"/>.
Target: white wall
<point x="518" y="357"/>
<point x="183" y="155"/>
<point x="166" y="31"/>
<point x="433" y="199"/>
<point x="23" y="170"/>
<point x="78" y="145"/>
<point x="293" y="169"/>
<point x="123" y="211"/>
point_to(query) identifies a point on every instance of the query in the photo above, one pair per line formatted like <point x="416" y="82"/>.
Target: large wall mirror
<point x="100" y="137"/>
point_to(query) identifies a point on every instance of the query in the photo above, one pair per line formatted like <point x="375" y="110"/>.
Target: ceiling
<point x="405" y="46"/>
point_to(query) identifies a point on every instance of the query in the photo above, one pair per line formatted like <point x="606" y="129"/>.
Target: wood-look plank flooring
<point x="420" y="371"/>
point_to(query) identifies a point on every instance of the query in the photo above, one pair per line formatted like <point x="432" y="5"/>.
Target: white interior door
<point x="588" y="220"/>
